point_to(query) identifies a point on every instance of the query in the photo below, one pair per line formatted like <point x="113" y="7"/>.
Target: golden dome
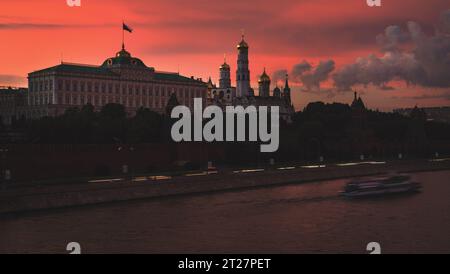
<point x="264" y="77"/>
<point x="225" y="66"/>
<point x="242" y="44"/>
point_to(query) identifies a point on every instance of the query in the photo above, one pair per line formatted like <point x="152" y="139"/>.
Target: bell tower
<point x="225" y="76"/>
<point x="243" y="72"/>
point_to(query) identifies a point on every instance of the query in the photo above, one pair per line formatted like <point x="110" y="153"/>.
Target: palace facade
<point x="121" y="79"/>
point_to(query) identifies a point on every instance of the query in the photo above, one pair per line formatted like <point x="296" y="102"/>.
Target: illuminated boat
<point x="380" y="186"/>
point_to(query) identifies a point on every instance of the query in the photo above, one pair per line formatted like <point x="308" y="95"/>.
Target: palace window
<point x="67" y="85"/>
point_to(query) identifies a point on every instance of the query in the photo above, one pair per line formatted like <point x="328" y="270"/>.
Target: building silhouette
<point x="13" y="104"/>
<point x="243" y="94"/>
<point x="121" y="79"/>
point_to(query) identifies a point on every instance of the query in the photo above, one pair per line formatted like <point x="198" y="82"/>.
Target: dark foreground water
<point x="308" y="218"/>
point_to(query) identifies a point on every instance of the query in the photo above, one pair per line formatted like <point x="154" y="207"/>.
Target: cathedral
<point x="243" y="94"/>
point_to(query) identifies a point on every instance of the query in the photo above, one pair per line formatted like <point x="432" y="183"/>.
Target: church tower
<point x="225" y="75"/>
<point x="264" y="84"/>
<point x="287" y="90"/>
<point x="243" y="72"/>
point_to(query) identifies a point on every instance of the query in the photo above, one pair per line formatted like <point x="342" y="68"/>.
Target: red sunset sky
<point x="192" y="35"/>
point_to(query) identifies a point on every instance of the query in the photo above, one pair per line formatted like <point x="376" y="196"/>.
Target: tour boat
<point x="380" y="186"/>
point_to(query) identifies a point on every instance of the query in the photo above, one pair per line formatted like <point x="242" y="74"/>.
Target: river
<point x="303" y="218"/>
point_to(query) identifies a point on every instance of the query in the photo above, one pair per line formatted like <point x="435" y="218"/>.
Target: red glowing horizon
<point x="192" y="36"/>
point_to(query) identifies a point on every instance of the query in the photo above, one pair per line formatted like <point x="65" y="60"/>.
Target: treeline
<point x="86" y="126"/>
<point x="320" y="122"/>
<point x="339" y="122"/>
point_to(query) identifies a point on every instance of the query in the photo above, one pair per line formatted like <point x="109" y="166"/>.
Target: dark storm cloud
<point x="445" y="21"/>
<point x="312" y="79"/>
<point x="445" y="96"/>
<point x="392" y="38"/>
<point x="427" y="64"/>
<point x="17" y="26"/>
<point x="271" y="31"/>
<point x="306" y="74"/>
<point x="440" y="96"/>
<point x="37" y="26"/>
<point x="279" y="75"/>
<point x="299" y="69"/>
<point x="379" y="71"/>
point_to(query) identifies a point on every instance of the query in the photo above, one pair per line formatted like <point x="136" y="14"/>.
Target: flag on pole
<point x="127" y="28"/>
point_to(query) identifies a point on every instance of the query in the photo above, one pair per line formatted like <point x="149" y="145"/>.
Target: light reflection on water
<point x="300" y="218"/>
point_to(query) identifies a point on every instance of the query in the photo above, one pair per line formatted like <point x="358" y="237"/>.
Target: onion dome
<point x="277" y="92"/>
<point x="225" y="66"/>
<point x="264" y="78"/>
<point x="242" y="44"/>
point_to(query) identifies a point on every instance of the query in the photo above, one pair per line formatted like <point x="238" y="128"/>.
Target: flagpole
<point x="123" y="36"/>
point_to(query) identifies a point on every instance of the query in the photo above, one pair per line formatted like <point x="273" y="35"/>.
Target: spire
<point x="243" y="44"/>
<point x="210" y="83"/>
<point x="356" y="96"/>
<point x="264" y="78"/>
<point x="225" y="65"/>
<point x="287" y="81"/>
